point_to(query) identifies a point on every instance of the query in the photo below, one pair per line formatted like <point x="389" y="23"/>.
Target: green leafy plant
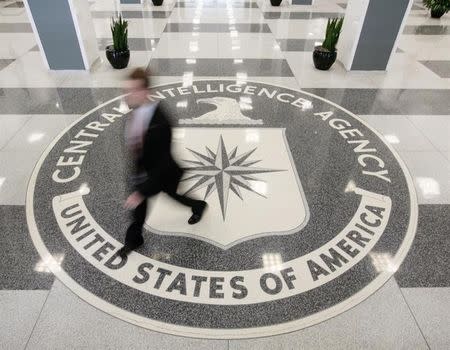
<point x="442" y="6"/>
<point x="119" y="30"/>
<point x="334" y="28"/>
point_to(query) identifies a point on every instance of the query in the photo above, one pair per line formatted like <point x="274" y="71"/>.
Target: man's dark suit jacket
<point x="163" y="173"/>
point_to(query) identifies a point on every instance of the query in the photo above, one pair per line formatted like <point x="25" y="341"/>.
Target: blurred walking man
<point x="149" y="139"/>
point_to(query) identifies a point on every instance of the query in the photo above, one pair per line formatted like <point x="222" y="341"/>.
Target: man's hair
<point x="141" y="75"/>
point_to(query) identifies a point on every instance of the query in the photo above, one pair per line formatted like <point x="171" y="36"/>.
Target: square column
<point x="65" y="33"/>
<point x="370" y="33"/>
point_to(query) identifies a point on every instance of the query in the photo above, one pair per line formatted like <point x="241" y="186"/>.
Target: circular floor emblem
<point x="309" y="213"/>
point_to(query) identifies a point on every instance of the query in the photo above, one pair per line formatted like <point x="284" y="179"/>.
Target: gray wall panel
<point x="56" y="30"/>
<point x="380" y="29"/>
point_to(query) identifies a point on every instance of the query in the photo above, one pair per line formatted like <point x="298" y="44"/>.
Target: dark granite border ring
<point x="234" y="333"/>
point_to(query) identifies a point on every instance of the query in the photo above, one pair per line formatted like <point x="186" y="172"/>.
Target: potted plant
<point x="438" y="7"/>
<point x="157" y="2"/>
<point x="325" y="55"/>
<point x="275" y="2"/>
<point x="118" y="54"/>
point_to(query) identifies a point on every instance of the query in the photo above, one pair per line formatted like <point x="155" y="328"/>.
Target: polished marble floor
<point x="293" y="181"/>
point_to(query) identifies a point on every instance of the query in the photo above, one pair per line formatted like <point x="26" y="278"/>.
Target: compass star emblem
<point x="224" y="172"/>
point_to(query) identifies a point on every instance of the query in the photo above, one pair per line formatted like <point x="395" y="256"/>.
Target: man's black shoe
<point x="126" y="250"/>
<point x="197" y="216"/>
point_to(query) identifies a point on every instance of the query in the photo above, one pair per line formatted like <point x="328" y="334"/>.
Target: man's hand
<point x="134" y="200"/>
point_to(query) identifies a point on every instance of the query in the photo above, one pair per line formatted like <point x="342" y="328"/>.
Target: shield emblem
<point x="248" y="178"/>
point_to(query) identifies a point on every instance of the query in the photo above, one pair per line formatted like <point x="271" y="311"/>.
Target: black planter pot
<point x="118" y="59"/>
<point x="275" y="2"/>
<point x="157" y="2"/>
<point x="323" y="59"/>
<point x="437" y="13"/>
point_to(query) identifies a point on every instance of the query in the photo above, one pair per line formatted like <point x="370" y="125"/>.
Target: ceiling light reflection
<point x="272" y="261"/>
<point x="84" y="189"/>
<point x="50" y="264"/>
<point x="241" y="78"/>
<point x="383" y="262"/>
<point x="246" y="99"/>
<point x="251" y="136"/>
<point x="179" y="133"/>
<point x="182" y="104"/>
<point x="429" y="187"/>
<point x="193" y="46"/>
<point x="36" y="136"/>
<point x="123" y="107"/>
<point x="188" y="77"/>
<point x="392" y="139"/>
<point x="351" y="187"/>
<point x="259" y="186"/>
<point x="307" y="105"/>
<point x="245" y="106"/>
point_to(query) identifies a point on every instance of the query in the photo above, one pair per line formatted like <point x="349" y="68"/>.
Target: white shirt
<point x="138" y="124"/>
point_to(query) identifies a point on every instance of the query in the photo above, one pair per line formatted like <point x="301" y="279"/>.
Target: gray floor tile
<point x="416" y="7"/>
<point x="301" y="15"/>
<point x="17" y="4"/>
<point x="20" y="267"/>
<point x="217" y="27"/>
<point x="5" y="62"/>
<point x="15" y="28"/>
<point x="430" y="307"/>
<point x="68" y="322"/>
<point x="441" y="68"/>
<point x="358" y="101"/>
<point x="134" y="44"/>
<point x="425" y="263"/>
<point x="383" y="321"/>
<point x="54" y="101"/>
<point x="220" y="67"/>
<point x="215" y="4"/>
<point x="19" y="311"/>
<point x="298" y="44"/>
<point x="427" y="30"/>
<point x="388" y="101"/>
<point x="132" y="14"/>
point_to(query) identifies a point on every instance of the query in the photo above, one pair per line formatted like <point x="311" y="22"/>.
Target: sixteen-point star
<point x="223" y="171"/>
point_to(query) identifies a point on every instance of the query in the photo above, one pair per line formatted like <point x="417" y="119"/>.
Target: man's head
<point x="137" y="86"/>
